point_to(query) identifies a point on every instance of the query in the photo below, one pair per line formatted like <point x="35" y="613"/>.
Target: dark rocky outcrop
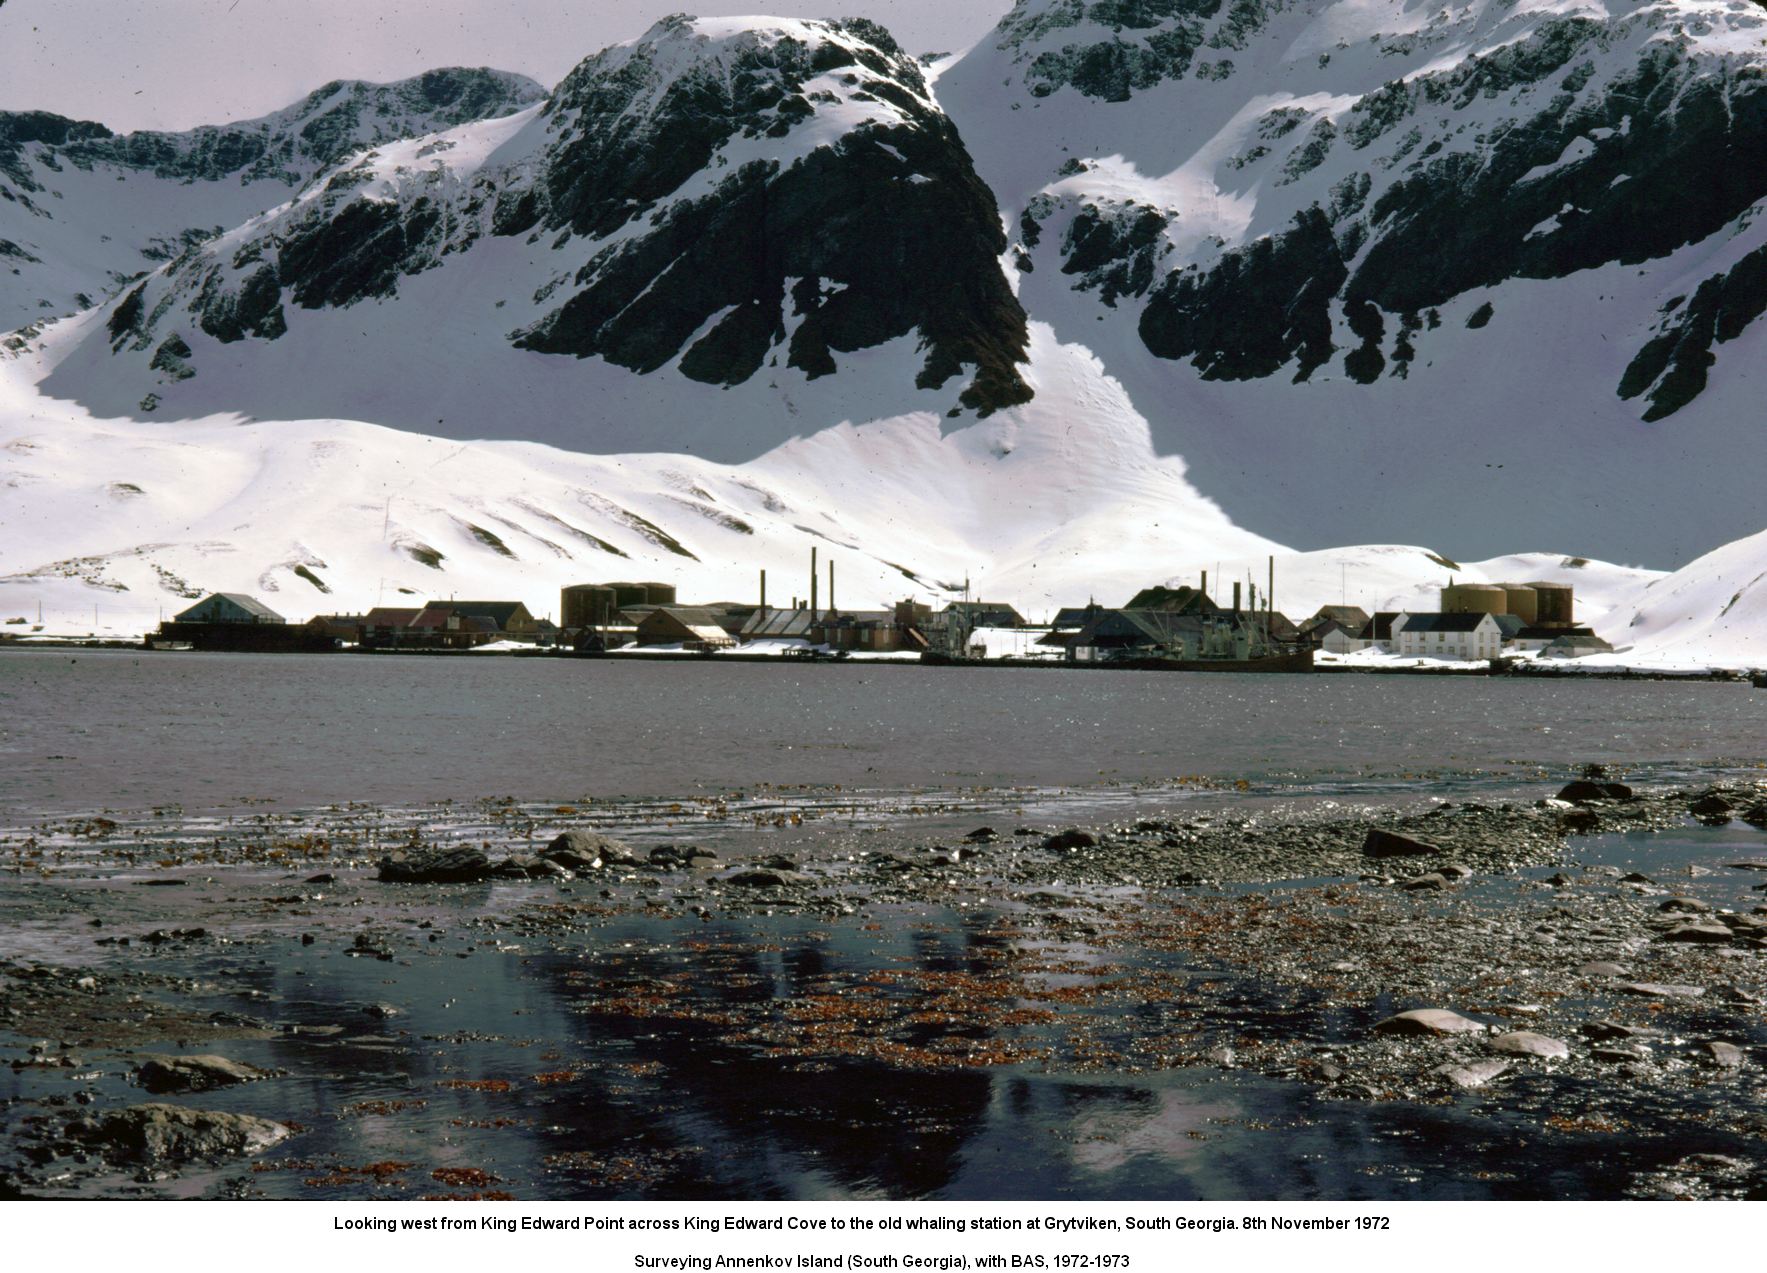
<point x="1256" y="310"/>
<point x="892" y="218"/>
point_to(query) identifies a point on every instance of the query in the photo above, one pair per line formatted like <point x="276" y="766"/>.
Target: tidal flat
<point x="1241" y="996"/>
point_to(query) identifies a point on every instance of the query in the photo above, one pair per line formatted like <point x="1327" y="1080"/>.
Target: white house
<point x="1466" y="637"/>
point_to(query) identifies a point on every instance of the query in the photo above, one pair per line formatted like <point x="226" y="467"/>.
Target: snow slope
<point x="136" y="517"/>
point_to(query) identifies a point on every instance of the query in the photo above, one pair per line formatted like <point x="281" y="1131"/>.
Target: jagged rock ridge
<point x="722" y="195"/>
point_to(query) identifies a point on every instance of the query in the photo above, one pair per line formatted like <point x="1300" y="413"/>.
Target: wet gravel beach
<point x="1535" y="997"/>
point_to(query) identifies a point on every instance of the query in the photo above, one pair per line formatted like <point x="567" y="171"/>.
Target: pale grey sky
<point x="177" y="63"/>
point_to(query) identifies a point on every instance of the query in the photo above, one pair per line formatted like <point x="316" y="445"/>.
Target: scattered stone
<point x="168" y="1135"/>
<point x="1583" y="791"/>
<point x="1527" y="1043"/>
<point x="1423" y="883"/>
<point x="455" y="864"/>
<point x="382" y="1010"/>
<point x="1747" y="866"/>
<point x="196" y="1073"/>
<point x="324" y="877"/>
<point x="761" y="877"/>
<point x="1453" y="871"/>
<point x="1069" y="840"/>
<point x="1580" y="819"/>
<point x="1711" y="807"/>
<point x="981" y="835"/>
<point x="1429" y="1021"/>
<point x="1690" y="905"/>
<point x="1602" y="968"/>
<point x="1616" y="1030"/>
<point x="1390" y="844"/>
<point x="1657" y="990"/>
<point x="1472" y="1073"/>
<point x="1755" y="815"/>
<point x="1634" y="877"/>
<point x="1721" y="1055"/>
<point x="585" y="850"/>
<point x="1706" y="933"/>
<point x="1620" y="1053"/>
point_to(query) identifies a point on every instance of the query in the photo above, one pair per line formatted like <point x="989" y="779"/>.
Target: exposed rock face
<point x="1107" y="49"/>
<point x="324" y="127"/>
<point x="1448" y="158"/>
<point x="717" y="199"/>
<point x="146" y="198"/>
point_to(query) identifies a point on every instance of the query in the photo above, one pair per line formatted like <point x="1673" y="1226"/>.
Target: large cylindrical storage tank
<point x="1554" y="603"/>
<point x="1524" y="602"/>
<point x="1474" y="598"/>
<point x="659" y="594"/>
<point x="586" y="605"/>
<point x="630" y="594"/>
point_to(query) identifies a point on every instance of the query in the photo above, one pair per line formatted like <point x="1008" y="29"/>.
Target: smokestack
<point x="812" y="581"/>
<point x="1205" y="587"/>
<point x="1270" y="602"/>
<point x="1236" y="596"/>
<point x="763" y="590"/>
<point x="831" y="585"/>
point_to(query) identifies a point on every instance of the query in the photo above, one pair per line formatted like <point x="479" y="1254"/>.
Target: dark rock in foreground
<point x="1390" y="844"/>
<point x="587" y="850"/>
<point x="167" y="1135"/>
<point x="459" y="864"/>
<point x="196" y="1073"/>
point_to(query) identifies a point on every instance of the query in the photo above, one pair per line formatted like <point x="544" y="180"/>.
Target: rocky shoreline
<point x="1465" y="959"/>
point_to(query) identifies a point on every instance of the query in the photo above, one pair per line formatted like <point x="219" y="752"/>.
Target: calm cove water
<point x="85" y="729"/>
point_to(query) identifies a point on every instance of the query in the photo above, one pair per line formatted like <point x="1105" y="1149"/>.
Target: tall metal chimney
<point x="1205" y="587"/>
<point x="831" y="609"/>
<point x="812" y="581"/>
<point x="763" y="590"/>
<point x="1270" y="601"/>
<point x="1236" y="596"/>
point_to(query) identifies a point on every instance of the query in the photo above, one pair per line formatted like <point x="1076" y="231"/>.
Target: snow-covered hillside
<point x="1132" y="289"/>
<point x="321" y="515"/>
<point x="82" y="210"/>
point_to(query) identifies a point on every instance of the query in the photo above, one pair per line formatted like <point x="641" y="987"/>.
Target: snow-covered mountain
<point x="1482" y="274"/>
<point x="84" y="210"/>
<point x="714" y="206"/>
<point x="1109" y="298"/>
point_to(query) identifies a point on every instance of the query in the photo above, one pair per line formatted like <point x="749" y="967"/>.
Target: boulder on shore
<point x="1429" y="1021"/>
<point x="587" y="850"/>
<point x="1527" y="1043"/>
<point x="158" y="1134"/>
<point x="196" y="1073"/>
<point x="1069" y="840"/>
<point x="1390" y="844"/>
<point x="455" y="864"/>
